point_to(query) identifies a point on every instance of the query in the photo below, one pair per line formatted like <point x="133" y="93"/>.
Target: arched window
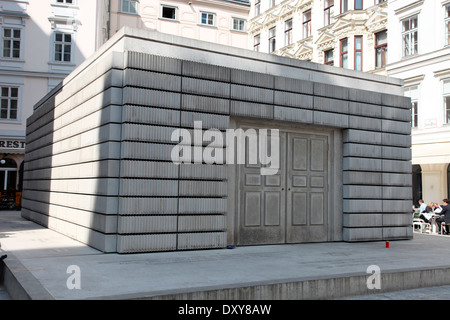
<point x="8" y="174"/>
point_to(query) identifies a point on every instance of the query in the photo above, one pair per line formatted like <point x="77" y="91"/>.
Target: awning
<point x="12" y="151"/>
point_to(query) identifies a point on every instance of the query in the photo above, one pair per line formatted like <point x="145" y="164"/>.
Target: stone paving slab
<point x="51" y="258"/>
<point x="419" y="294"/>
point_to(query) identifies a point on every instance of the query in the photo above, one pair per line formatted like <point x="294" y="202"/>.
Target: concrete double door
<point x="292" y="205"/>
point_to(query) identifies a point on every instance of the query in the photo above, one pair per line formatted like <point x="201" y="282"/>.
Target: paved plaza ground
<point x="46" y="263"/>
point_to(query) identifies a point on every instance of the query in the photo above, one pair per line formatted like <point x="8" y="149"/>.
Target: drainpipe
<point x="108" y="23"/>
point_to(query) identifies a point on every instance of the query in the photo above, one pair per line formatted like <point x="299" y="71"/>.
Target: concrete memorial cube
<point x="163" y="143"/>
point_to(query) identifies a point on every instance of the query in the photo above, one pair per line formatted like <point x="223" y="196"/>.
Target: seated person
<point x="422" y="206"/>
<point x="426" y="216"/>
<point x="444" y="214"/>
<point x="428" y="213"/>
<point x="437" y="208"/>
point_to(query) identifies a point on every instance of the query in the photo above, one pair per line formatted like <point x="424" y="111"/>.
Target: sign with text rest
<point x="13" y="144"/>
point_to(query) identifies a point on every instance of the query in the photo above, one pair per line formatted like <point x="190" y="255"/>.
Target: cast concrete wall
<point x="98" y="159"/>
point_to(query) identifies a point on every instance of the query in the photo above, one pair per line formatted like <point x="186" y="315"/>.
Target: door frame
<point x="335" y="195"/>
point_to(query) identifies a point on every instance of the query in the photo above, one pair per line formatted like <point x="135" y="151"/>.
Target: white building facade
<point x="41" y="43"/>
<point x="218" y="21"/>
<point x="344" y="33"/>
<point x="419" y="53"/>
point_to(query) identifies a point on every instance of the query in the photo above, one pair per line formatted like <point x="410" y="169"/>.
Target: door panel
<point x="262" y="205"/>
<point x="317" y="208"/>
<point x="299" y="153"/>
<point x="291" y="206"/>
<point x="318" y="156"/>
<point x="297" y="209"/>
<point x="306" y="178"/>
<point x="272" y="208"/>
<point x="252" y="209"/>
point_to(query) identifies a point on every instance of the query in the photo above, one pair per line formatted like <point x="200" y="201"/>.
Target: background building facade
<point x="344" y="33"/>
<point x="419" y="53"/>
<point x="218" y="21"/>
<point x="41" y="43"/>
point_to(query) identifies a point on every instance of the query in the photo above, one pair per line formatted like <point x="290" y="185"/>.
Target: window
<point x="288" y="32"/>
<point x="272" y="40"/>
<point x="9" y="102"/>
<point x="446" y="92"/>
<point x="307" y="24"/>
<point x="256" y="42"/>
<point x="208" y="19"/>
<point x="328" y="11"/>
<point x="344" y="6"/>
<point x="238" y="24"/>
<point x="169" y="12"/>
<point x="412" y="92"/>
<point x="11" y="43"/>
<point x="380" y="49"/>
<point x="63" y="47"/>
<point x="410" y="36"/>
<point x="257" y="7"/>
<point x="8" y="174"/>
<point x="129" y="6"/>
<point x="328" y="57"/>
<point x="344" y="53"/>
<point x="358" y="4"/>
<point x="358" y="53"/>
<point x="447" y="24"/>
<point x="64" y="1"/>
<point x="415" y="114"/>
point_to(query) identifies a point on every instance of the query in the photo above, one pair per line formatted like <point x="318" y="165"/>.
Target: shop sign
<point x="13" y="144"/>
<point x="431" y="123"/>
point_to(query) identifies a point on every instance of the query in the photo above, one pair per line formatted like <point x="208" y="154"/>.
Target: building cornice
<point x="414" y="80"/>
<point x="445" y="73"/>
<point x="32" y="74"/>
<point x="408" y="7"/>
<point x="228" y="3"/>
<point x="418" y="61"/>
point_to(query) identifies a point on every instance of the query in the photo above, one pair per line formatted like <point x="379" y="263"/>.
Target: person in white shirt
<point x="428" y="213"/>
<point x="437" y="208"/>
